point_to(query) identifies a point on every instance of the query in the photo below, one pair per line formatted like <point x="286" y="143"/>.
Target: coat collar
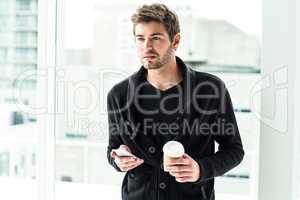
<point x="134" y="81"/>
<point x="137" y="78"/>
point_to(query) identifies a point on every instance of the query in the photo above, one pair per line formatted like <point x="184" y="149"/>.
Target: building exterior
<point x="18" y="44"/>
<point x="81" y="140"/>
<point x="18" y="53"/>
<point x="213" y="42"/>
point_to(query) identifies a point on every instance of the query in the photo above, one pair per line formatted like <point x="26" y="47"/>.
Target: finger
<point x="180" y="168"/>
<point x="130" y="167"/>
<point x="134" y="164"/>
<point x="180" y="174"/>
<point x="129" y="164"/>
<point x="184" y="179"/>
<point x="180" y="161"/>
<point x="124" y="160"/>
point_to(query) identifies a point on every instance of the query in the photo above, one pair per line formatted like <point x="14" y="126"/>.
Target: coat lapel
<point x="136" y="79"/>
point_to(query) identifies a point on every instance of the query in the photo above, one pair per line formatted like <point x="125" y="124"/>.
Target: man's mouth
<point x="149" y="57"/>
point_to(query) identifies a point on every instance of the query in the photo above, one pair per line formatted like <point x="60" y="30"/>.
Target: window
<point x="4" y="22"/>
<point x="96" y="50"/>
<point x="5" y="6"/>
<point x="26" y="54"/>
<point x="26" y="21"/>
<point x="26" y="5"/>
<point x="18" y="137"/>
<point x="6" y="38"/>
<point x="3" y="54"/>
<point x="4" y="163"/>
<point x="26" y="38"/>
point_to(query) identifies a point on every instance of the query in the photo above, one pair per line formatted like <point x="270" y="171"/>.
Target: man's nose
<point x="148" y="44"/>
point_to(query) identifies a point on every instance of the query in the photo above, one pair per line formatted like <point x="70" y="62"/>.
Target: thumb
<point x="113" y="154"/>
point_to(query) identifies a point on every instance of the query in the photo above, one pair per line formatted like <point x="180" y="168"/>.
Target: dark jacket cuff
<point x="206" y="170"/>
<point x="112" y="161"/>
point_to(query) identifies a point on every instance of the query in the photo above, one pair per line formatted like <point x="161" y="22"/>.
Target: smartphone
<point x="123" y="153"/>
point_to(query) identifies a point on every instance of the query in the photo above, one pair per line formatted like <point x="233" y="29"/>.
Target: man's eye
<point x="155" y="38"/>
<point x="140" y="39"/>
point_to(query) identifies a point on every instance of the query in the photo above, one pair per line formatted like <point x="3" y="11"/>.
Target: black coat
<point x="213" y="109"/>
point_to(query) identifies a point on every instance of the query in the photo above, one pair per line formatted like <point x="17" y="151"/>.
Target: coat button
<point x="162" y="185"/>
<point x="131" y="175"/>
<point x="151" y="149"/>
<point x="162" y="165"/>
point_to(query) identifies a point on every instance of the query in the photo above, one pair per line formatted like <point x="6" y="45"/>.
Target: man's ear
<point x="176" y="41"/>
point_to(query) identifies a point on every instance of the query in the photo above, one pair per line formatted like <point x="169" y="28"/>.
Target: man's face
<point x="153" y="45"/>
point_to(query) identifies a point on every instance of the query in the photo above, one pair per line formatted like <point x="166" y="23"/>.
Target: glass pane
<point x="97" y="50"/>
<point x="23" y="21"/>
<point x="5" y="22"/>
<point x="26" y="5"/>
<point x="6" y="39"/>
<point x="5" y="6"/>
<point x="26" y="54"/>
<point x="18" y="137"/>
<point x="26" y="38"/>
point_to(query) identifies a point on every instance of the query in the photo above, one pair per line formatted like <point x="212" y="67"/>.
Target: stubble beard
<point x="161" y="61"/>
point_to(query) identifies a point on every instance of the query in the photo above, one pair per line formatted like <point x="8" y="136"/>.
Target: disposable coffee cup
<point x="172" y="149"/>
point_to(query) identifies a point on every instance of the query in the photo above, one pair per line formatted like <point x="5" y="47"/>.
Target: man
<point x="163" y="101"/>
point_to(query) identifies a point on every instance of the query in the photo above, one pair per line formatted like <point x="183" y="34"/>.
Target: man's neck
<point x="165" y="77"/>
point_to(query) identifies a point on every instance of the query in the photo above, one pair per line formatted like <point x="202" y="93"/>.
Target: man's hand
<point x="184" y="169"/>
<point x="126" y="163"/>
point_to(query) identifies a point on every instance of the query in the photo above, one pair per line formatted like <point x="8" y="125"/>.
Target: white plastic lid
<point x="173" y="149"/>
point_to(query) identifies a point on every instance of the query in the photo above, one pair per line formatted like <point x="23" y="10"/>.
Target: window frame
<point x="46" y="122"/>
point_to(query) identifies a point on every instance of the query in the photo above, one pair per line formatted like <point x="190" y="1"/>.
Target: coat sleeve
<point x="114" y="128"/>
<point x="230" y="152"/>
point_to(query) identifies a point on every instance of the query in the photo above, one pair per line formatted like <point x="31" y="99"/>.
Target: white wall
<point x="279" y="115"/>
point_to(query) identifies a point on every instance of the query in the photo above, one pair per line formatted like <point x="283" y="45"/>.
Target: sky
<point x="78" y="24"/>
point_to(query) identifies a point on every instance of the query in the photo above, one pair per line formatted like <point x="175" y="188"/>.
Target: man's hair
<point x="158" y="13"/>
